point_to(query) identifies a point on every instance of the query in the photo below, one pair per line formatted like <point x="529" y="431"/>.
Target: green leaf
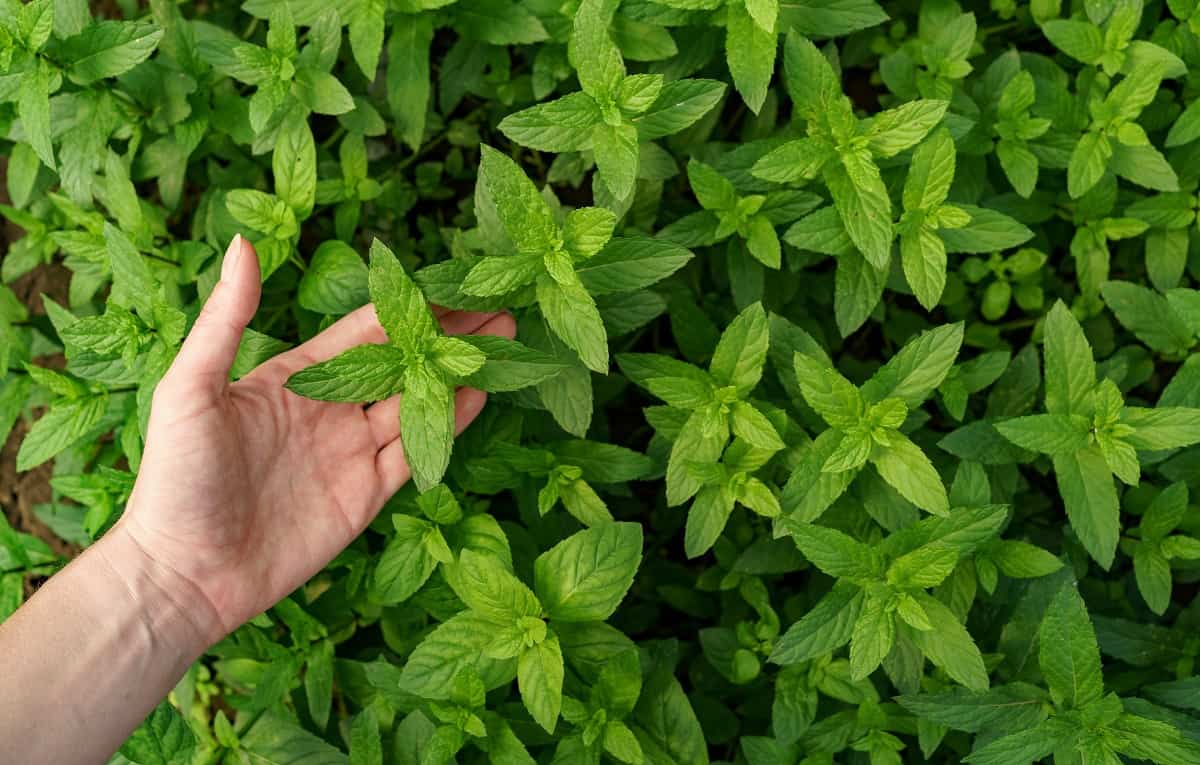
<point x="923" y="258"/>
<point x="750" y="52"/>
<point x="1148" y="315"/>
<point x="739" y="357"/>
<point x="336" y="280"/>
<point x="405" y="564"/>
<point x="835" y="552"/>
<point x="1019" y="164"/>
<point x="1016" y="706"/>
<point x="408" y="83"/>
<point x="456" y="643"/>
<point x="753" y="427"/>
<point x="1165" y="427"/>
<point x="906" y="468"/>
<point x="163" y="739"/>
<point x="679" y="105"/>
<point x="1070" y="369"/>
<point x="925" y="567"/>
<point x="1047" y="433"/>
<point x="833" y="397"/>
<point x="567" y="124"/>
<point x="1025" y="746"/>
<point x="63" y="425"/>
<point x="361" y="374"/>
<point x="811" y="490"/>
<point x="510" y="365"/>
<point x="486" y="586"/>
<point x="366" y="30"/>
<point x="863" y="204"/>
<point x="501" y="275"/>
<point x="426" y="425"/>
<point x="521" y="210"/>
<point x="949" y="646"/>
<point x="615" y="148"/>
<point x="931" y="172"/>
<point x="763" y="242"/>
<point x="706" y="519"/>
<point x="987" y="231"/>
<point x="1087" y="489"/>
<point x="318" y="682"/>
<point x="1080" y="40"/>
<point x="811" y="82"/>
<point x="894" y="130"/>
<point x="399" y="304"/>
<point x="858" y="288"/>
<point x="824" y="629"/>
<point x="585" y="577"/>
<point x="294" y="164"/>
<point x="255" y="209"/>
<point x="801" y="159"/>
<point x="592" y="51"/>
<point x="275" y="739"/>
<point x="498" y="22"/>
<point x="872" y="638"/>
<point x="540" y="678"/>
<point x="1067" y="651"/>
<point x="712" y="190"/>
<point x="108" y="49"/>
<point x="322" y="93"/>
<point x="631" y="263"/>
<point x="916" y="371"/>
<point x="1153" y="574"/>
<point x="573" y="317"/>
<point x="366" y="746"/>
<point x="1088" y="163"/>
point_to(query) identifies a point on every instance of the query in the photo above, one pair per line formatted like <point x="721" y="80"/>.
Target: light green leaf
<point x="488" y="587"/>
<point x="585" y="577"/>
<point x="540" y="679"/>
<point x="739" y="357"/>
<point x="1067" y="651"/>
<point x="906" y="468"/>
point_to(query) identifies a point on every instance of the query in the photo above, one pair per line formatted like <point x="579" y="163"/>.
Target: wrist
<point x="179" y="619"/>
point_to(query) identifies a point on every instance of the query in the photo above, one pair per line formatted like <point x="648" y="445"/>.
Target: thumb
<point x="208" y="352"/>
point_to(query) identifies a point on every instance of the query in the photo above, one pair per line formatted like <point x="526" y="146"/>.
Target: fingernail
<point x="231" y="257"/>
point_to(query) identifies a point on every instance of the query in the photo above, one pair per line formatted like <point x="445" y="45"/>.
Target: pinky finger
<point x="390" y="463"/>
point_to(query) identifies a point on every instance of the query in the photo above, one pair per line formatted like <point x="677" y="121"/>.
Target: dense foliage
<point x="853" y="408"/>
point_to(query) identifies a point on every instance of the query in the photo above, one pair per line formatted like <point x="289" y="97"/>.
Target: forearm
<point x="92" y="652"/>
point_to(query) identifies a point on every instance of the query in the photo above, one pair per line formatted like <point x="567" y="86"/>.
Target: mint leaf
<point x="585" y="576"/>
<point x="364" y="373"/>
<point x="1068" y="653"/>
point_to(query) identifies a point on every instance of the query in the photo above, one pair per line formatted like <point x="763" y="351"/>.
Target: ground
<point x="19" y="493"/>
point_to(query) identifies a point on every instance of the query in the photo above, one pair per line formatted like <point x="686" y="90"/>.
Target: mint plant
<point x="842" y="151"/>
<point x="418" y="360"/>
<point x="715" y="401"/>
<point x="1083" y="717"/>
<point x="505" y="624"/>
<point x="1156" y="546"/>
<point x="878" y="604"/>
<point x="613" y="112"/>
<point x="903" y="432"/>
<point x="1092" y="436"/>
<point x="864" y="425"/>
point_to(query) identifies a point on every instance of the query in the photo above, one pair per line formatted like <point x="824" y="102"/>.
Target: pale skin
<point x="245" y="491"/>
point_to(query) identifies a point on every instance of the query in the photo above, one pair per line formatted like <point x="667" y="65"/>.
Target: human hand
<point x="245" y="489"/>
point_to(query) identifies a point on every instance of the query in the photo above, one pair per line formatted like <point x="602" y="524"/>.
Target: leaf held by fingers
<point x="422" y="363"/>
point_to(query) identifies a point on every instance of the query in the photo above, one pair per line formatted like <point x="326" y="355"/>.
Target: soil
<point x="19" y="493"/>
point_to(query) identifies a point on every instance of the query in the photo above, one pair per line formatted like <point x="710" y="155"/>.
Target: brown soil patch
<point x="20" y="492"/>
